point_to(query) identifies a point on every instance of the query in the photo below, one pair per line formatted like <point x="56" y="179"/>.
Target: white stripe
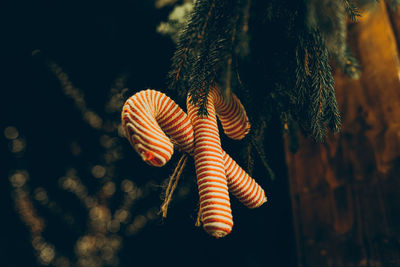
<point x="204" y="202"/>
<point x="199" y="181"/>
<point x="216" y="205"/>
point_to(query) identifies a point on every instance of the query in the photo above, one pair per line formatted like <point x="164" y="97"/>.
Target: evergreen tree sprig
<point x="205" y="49"/>
<point x="316" y="103"/>
<point x="189" y="38"/>
<point x="352" y="10"/>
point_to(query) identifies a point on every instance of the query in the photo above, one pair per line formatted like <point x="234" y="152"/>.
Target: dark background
<point x="93" y="43"/>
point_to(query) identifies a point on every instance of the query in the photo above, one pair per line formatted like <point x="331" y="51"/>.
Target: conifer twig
<point x="352" y="10"/>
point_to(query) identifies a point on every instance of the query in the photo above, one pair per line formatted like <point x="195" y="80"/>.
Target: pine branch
<point x="318" y="100"/>
<point x="214" y="51"/>
<point x="202" y="76"/>
<point x="333" y="117"/>
<point x="189" y="38"/>
<point x="352" y="10"/>
<point x="302" y="72"/>
<point x="203" y="29"/>
<point x="323" y="100"/>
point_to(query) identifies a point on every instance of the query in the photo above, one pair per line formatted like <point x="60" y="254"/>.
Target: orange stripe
<point x="219" y="214"/>
<point x="217" y="220"/>
<point x="240" y="189"/>
<point x="149" y="137"/>
<point x="213" y="198"/>
<point x="207" y="175"/>
<point x="165" y="156"/>
<point x="168" y="123"/>
<point x="216" y="209"/>
<point x="256" y="198"/>
<point x="148" y="124"/>
<point x="253" y="201"/>
<point x="203" y="187"/>
<point x="208" y="149"/>
<point x="211" y="165"/>
<point x="208" y="202"/>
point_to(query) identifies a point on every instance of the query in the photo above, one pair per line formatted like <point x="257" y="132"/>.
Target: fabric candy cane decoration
<point x="149" y="116"/>
<point x="211" y="171"/>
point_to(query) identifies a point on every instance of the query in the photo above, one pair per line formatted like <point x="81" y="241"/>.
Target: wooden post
<point x="346" y="192"/>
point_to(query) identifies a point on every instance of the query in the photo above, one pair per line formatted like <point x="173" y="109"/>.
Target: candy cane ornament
<point x="235" y="124"/>
<point x="146" y="117"/>
<point x="211" y="172"/>
<point x="149" y="114"/>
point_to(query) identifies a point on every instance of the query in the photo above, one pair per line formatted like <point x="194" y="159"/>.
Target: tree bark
<point x="345" y="191"/>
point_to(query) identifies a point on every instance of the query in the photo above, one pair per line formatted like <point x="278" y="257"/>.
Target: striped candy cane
<point x="148" y="114"/>
<point x="146" y="117"/>
<point x="231" y="114"/>
<point x="235" y="123"/>
<point x="212" y="169"/>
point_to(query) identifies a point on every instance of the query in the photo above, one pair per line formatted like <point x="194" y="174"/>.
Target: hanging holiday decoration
<point x="211" y="179"/>
<point x="149" y="116"/>
<point x="292" y="43"/>
<point x="277" y="55"/>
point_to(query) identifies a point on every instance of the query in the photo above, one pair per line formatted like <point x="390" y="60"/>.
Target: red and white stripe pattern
<point x="148" y="114"/>
<point x="241" y="185"/>
<point x="236" y="125"/>
<point x="231" y="114"/>
<point x="212" y="168"/>
<point x="215" y="205"/>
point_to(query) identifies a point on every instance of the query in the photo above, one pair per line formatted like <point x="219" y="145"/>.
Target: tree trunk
<point x="345" y="192"/>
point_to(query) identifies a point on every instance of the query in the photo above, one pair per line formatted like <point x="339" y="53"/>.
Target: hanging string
<point x="198" y="220"/>
<point x="172" y="184"/>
